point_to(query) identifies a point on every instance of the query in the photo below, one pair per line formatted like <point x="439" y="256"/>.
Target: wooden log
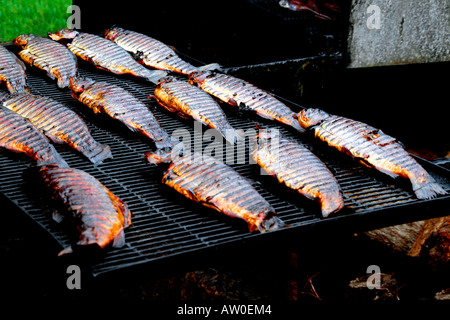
<point x="428" y="239"/>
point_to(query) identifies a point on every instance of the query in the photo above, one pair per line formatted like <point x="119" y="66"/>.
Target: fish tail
<point x="428" y="189"/>
<point x="98" y="153"/>
<point x="155" y="75"/>
<point x="331" y="205"/>
<point x="270" y="224"/>
<point x="210" y="67"/>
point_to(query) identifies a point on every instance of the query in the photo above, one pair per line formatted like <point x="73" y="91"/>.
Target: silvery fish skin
<point x="245" y="95"/>
<point x="189" y="101"/>
<point x="372" y="147"/>
<point x="12" y="71"/>
<point x="212" y="183"/>
<point x="60" y="124"/>
<point x="120" y="104"/>
<point x="151" y="52"/>
<point x="104" y="54"/>
<point x="299" y="169"/>
<point x="48" y="55"/>
<point x="98" y="215"/>
<point x="18" y="135"/>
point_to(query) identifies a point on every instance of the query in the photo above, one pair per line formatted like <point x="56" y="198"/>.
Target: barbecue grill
<point x="164" y="223"/>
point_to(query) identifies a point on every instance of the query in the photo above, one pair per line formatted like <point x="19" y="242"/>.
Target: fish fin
<point x="57" y="217"/>
<point x="66" y="250"/>
<point x="210" y="67"/>
<point x="119" y="241"/>
<point x="138" y="56"/>
<point x="427" y="190"/>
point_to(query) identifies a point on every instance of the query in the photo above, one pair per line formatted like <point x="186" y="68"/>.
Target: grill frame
<point x="164" y="223"/>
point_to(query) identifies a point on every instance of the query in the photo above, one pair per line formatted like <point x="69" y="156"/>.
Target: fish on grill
<point x="59" y="124"/>
<point x="372" y="147"/>
<point x="12" y="71"/>
<point x="120" y="104"/>
<point x="212" y="183"/>
<point x="151" y="52"/>
<point x="48" y="55"/>
<point x="18" y="135"/>
<point x="99" y="216"/>
<point x="189" y="101"/>
<point x="298" y="168"/>
<point x="105" y="55"/>
<point x="245" y="95"/>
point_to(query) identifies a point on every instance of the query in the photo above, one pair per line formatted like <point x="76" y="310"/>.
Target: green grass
<point x="32" y="16"/>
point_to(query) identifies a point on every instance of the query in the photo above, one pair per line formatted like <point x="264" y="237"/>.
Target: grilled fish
<point x="149" y="51"/>
<point x="12" y="71"/>
<point x="216" y="185"/>
<point x="19" y="135"/>
<point x="99" y="216"/>
<point x="372" y="147"/>
<point x="299" y="169"/>
<point x="244" y="95"/>
<point x="190" y="101"/>
<point x="105" y="54"/>
<point x="48" y="55"/>
<point x="120" y="104"/>
<point x="59" y="124"/>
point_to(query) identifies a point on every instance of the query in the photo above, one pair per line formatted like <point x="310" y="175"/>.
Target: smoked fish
<point x="48" y="55"/>
<point x="372" y="147"/>
<point x="189" y="101"/>
<point x="60" y="124"/>
<point x="105" y="54"/>
<point x="298" y="168"/>
<point x="18" y="135"/>
<point x="98" y="216"/>
<point x="12" y="71"/>
<point x="120" y="104"/>
<point x="214" y="184"/>
<point x="242" y="94"/>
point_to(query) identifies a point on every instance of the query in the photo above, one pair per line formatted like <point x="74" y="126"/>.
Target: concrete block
<point x="392" y="32"/>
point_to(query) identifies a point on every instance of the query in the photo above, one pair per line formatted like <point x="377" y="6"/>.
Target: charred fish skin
<point x="191" y="102"/>
<point x="372" y="147"/>
<point x="299" y="169"/>
<point x="149" y="51"/>
<point x="12" y="72"/>
<point x="60" y="124"/>
<point x="18" y="135"/>
<point x="48" y="55"/>
<point x="240" y="93"/>
<point x="120" y="104"/>
<point x="215" y="185"/>
<point x="105" y="54"/>
<point x="100" y="217"/>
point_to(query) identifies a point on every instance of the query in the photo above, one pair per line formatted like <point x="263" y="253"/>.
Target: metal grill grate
<point x="164" y="222"/>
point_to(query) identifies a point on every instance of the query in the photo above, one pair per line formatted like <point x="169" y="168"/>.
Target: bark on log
<point x="429" y="239"/>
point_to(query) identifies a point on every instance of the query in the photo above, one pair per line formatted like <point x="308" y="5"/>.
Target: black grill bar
<point x="164" y="223"/>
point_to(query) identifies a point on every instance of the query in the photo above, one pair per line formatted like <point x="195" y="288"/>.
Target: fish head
<point x="79" y="84"/>
<point x="22" y="40"/>
<point x="113" y="32"/>
<point x="63" y="34"/>
<point x="198" y="77"/>
<point x="311" y="117"/>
